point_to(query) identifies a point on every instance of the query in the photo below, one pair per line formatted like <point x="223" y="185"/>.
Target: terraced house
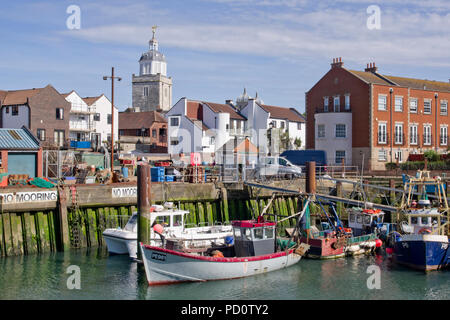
<point x="355" y="115"/>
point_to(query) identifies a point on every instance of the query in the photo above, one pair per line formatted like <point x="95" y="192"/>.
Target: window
<point x="413" y="134"/>
<point x="325" y="104"/>
<point x="258" y="233"/>
<point x="398" y="133"/>
<point x="282" y="124"/>
<point x="427" y="106"/>
<point x="154" y="133"/>
<point x="336" y="104"/>
<point x="382" y="155"/>
<point x="351" y="217"/>
<point x="340" y="131"/>
<point x="14" y="110"/>
<point x="174" y="141"/>
<point x="274" y="124"/>
<point x="427" y="134"/>
<point x="347" y="102"/>
<point x="174" y="122"/>
<point x="398" y="104"/>
<point x="444" y="136"/>
<point x="212" y="141"/>
<point x="282" y="162"/>
<point x="413" y="105"/>
<point x="247" y="234"/>
<point x="237" y="233"/>
<point x="41" y="134"/>
<point x="177" y="220"/>
<point x="109" y="119"/>
<point x="7" y="109"/>
<point x="382" y="133"/>
<point x="58" y="136"/>
<point x="60" y="113"/>
<point x="97" y="117"/>
<point x="299" y="126"/>
<point x="269" y="232"/>
<point x="121" y="132"/>
<point x="340" y="155"/>
<point x="321" y="131"/>
<point x="399" y="155"/>
<point x="443" y="108"/>
<point x="146" y="91"/>
<point x="382" y="102"/>
<point x="359" y="219"/>
<point x="163" y="220"/>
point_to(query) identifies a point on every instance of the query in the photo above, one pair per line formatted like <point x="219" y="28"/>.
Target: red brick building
<point x="385" y="118"/>
<point x="144" y="131"/>
<point x="42" y="110"/>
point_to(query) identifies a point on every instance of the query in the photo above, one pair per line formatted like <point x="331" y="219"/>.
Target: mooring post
<point x="62" y="230"/>
<point x="392" y="192"/>
<point x="144" y="204"/>
<point x="339" y="194"/>
<point x="311" y="177"/>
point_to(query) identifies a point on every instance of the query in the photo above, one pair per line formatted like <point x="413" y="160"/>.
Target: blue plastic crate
<point x="157" y="171"/>
<point x="157" y="179"/>
<point x="169" y="178"/>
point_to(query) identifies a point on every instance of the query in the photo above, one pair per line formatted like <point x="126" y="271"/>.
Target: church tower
<point x="152" y="89"/>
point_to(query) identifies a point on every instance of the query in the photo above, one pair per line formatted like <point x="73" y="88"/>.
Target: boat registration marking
<point x="158" y="256"/>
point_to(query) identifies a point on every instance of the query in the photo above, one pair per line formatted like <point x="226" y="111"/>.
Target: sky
<point x="216" y="48"/>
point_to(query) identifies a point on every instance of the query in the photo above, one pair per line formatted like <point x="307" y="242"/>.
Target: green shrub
<point x="391" y="166"/>
<point x="431" y="155"/>
<point x="412" y="165"/>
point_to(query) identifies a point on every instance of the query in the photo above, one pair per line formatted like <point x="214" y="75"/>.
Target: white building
<point x="333" y="133"/>
<point x="80" y="123"/>
<point x="101" y="120"/>
<point x="199" y="126"/>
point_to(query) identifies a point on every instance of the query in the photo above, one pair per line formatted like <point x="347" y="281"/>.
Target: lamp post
<point x="112" y="77"/>
<point x="436" y="123"/>
<point x="390" y="99"/>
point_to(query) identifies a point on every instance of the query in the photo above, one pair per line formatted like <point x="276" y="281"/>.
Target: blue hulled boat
<point x="424" y="244"/>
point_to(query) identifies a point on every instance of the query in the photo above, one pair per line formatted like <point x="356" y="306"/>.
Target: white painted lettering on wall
<point x="124" y="192"/>
<point x="34" y="196"/>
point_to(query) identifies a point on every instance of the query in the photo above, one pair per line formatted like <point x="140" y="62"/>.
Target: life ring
<point x="424" y="230"/>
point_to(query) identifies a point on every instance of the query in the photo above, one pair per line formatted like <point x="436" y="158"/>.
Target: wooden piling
<point x="62" y="230"/>
<point x="43" y="233"/>
<point x="144" y="204"/>
<point x="30" y="243"/>
<point x="311" y="177"/>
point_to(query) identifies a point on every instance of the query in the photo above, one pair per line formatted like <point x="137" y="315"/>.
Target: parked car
<point x="277" y="166"/>
<point x="301" y="157"/>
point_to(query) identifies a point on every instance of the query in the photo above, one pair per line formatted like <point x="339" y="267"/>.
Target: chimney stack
<point x="337" y="63"/>
<point x="371" y="67"/>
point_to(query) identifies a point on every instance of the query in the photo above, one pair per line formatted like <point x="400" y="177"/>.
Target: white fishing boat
<point x="124" y="241"/>
<point x="254" y="252"/>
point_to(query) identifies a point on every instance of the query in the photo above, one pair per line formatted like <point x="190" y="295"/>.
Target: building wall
<point x="406" y="118"/>
<point x="18" y="121"/>
<point x="257" y="120"/>
<point x="330" y="144"/>
<point x="294" y="132"/>
<point x="43" y="107"/>
<point x="160" y="92"/>
<point x="339" y="81"/>
<point x="103" y="107"/>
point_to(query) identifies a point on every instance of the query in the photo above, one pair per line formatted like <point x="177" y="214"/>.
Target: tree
<point x="297" y="143"/>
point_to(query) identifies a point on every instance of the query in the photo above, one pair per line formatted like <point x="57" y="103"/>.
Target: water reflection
<point x="116" y="277"/>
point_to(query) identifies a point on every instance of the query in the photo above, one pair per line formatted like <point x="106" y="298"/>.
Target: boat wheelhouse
<point x="364" y="221"/>
<point x="172" y="221"/>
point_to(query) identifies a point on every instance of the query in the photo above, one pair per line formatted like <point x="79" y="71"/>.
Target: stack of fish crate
<point x="157" y="174"/>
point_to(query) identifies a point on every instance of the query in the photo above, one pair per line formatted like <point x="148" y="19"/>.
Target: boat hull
<point x="121" y="243"/>
<point x="327" y="248"/>
<point x="423" y="252"/>
<point x="163" y="266"/>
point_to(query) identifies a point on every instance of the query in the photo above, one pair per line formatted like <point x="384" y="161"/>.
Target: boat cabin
<point x="422" y="218"/>
<point x="363" y="221"/>
<point x="253" y="238"/>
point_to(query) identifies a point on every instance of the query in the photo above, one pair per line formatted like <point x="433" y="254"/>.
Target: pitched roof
<point x="137" y="120"/>
<point x="283" y="113"/>
<point x="420" y="84"/>
<point x="65" y="95"/>
<point x="242" y="147"/>
<point x="224" y="108"/>
<point x="197" y="122"/>
<point x="21" y="139"/>
<point x="14" y="97"/>
<point x="90" y="100"/>
<point x="377" y="78"/>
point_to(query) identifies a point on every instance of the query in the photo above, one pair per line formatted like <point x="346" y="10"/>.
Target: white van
<point x="278" y="166"/>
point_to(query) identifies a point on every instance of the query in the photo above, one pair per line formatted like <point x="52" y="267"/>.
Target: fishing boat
<point x="423" y="243"/>
<point x="173" y="226"/>
<point x="254" y="251"/>
<point x="365" y="221"/>
<point x="330" y="240"/>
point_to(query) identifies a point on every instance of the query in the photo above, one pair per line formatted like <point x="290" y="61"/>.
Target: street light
<point x="436" y="123"/>
<point x="112" y="77"/>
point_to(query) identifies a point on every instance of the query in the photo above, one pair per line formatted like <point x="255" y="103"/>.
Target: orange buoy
<point x="158" y="228"/>
<point x="378" y="243"/>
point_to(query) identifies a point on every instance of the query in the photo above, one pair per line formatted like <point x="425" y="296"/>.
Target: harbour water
<point x="116" y="277"/>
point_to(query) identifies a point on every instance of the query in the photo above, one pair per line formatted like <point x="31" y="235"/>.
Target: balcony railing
<point x="80" y="126"/>
<point x="81" y="109"/>
<point x="236" y="131"/>
<point x="331" y="109"/>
